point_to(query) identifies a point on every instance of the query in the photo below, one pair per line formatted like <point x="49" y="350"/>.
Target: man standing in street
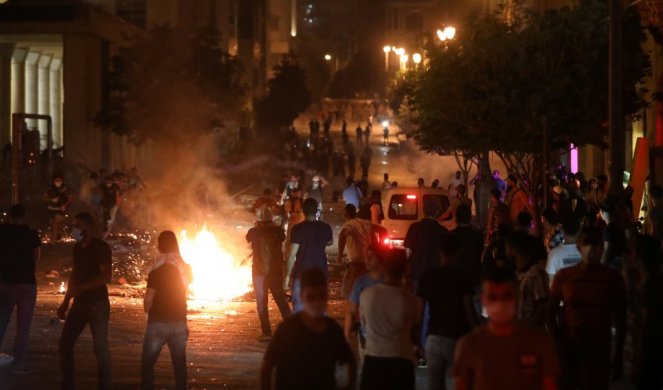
<point x="18" y="286"/>
<point x="309" y="345"/>
<point x="57" y="198"/>
<point x="390" y="316"/>
<point x="352" y="194"/>
<point x="266" y="239"/>
<point x="92" y="270"/>
<point x="594" y="299"/>
<point x="567" y="254"/>
<point x="504" y="354"/>
<point x="356" y="234"/>
<point x="422" y="240"/>
<point x="307" y="249"/>
<point x="449" y="292"/>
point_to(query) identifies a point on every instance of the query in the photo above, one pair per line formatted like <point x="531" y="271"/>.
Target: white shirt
<point x="561" y="257"/>
<point x="387" y="316"/>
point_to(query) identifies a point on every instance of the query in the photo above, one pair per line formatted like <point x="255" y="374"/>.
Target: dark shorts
<point x="387" y="374"/>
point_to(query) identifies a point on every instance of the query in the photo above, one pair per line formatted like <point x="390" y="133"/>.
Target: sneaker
<point x="6" y="360"/>
<point x="264" y="338"/>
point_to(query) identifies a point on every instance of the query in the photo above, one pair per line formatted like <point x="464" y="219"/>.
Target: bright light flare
<point x="328" y="57"/>
<point x="386" y="49"/>
<point x="416" y="57"/>
<point x="217" y="274"/>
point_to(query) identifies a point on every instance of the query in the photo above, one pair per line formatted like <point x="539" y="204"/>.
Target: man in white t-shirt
<point x="566" y="255"/>
<point x="389" y="316"/>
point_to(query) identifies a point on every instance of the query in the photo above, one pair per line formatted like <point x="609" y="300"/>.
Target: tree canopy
<point x="288" y="95"/>
<point x="498" y="84"/>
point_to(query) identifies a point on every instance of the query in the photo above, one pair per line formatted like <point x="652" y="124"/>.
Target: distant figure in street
<point x="18" y="286"/>
<point x="266" y="240"/>
<point x="367" y="132"/>
<point x="166" y="308"/>
<point x="110" y="200"/>
<point x="435" y="184"/>
<point x="267" y="199"/>
<point x="390" y="316"/>
<point x="504" y="354"/>
<point x="92" y="270"/>
<point x="385" y="135"/>
<point x="516" y="199"/>
<point x="307" y="250"/>
<point x="386" y="184"/>
<point x="499" y="184"/>
<point x="351" y="194"/>
<point x="366" y="157"/>
<point x="454" y="183"/>
<point x="594" y="301"/>
<point x="359" y="131"/>
<point x="421" y="183"/>
<point x="356" y="235"/>
<point x="57" y="198"/>
<point x="498" y="214"/>
<point x="567" y="254"/>
<point x="308" y="345"/>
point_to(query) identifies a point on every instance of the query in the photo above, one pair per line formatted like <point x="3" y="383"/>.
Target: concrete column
<point x="32" y="86"/>
<point x="18" y="80"/>
<point x="6" y="52"/>
<point x="55" y="99"/>
<point x="44" y="95"/>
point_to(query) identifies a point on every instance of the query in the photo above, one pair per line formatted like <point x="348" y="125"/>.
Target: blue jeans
<point x="96" y="314"/>
<point x="23" y="297"/>
<point x="262" y="285"/>
<point x="158" y="334"/>
<point x="440" y="357"/>
<point x="297" y="305"/>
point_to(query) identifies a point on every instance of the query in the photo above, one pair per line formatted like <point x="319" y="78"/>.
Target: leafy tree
<point x="288" y="96"/>
<point x="502" y="86"/>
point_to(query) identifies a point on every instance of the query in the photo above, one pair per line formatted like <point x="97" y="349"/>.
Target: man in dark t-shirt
<point x="422" y="241"/>
<point x="307" y="248"/>
<point x="308" y="345"/>
<point x="18" y="288"/>
<point x="165" y="304"/>
<point x="87" y="287"/>
<point x="449" y="293"/>
<point x="266" y="239"/>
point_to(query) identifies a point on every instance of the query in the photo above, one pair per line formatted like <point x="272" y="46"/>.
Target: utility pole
<point x="617" y="131"/>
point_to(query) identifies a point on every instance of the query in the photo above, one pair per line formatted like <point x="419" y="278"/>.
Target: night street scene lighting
<point x="282" y="193"/>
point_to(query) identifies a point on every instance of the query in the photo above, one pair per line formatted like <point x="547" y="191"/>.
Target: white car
<point x="404" y="206"/>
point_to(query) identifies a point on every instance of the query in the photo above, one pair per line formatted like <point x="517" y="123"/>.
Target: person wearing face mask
<point x="57" y="198"/>
<point x="308" y="345"/>
<point x="92" y="270"/>
<point x="594" y="300"/>
<point x="504" y="354"/>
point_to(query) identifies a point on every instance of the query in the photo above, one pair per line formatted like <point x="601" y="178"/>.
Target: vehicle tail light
<point x="412" y="197"/>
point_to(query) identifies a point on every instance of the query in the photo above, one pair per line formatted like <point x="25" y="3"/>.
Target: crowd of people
<point x="559" y="301"/>
<point x="108" y="196"/>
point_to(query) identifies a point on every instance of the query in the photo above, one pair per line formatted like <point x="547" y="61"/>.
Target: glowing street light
<point x="416" y="58"/>
<point x="446" y="34"/>
<point x="450" y="32"/>
<point x="328" y="57"/>
<point x="399" y="51"/>
<point x="387" y="50"/>
<point x="404" y="59"/>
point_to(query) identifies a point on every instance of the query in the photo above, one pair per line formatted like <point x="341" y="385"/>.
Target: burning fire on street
<point x="218" y="273"/>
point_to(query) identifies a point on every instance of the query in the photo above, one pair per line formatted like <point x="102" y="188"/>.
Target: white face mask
<point x="78" y="235"/>
<point x="501" y="312"/>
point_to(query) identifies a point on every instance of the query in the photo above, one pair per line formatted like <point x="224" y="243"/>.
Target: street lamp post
<point x="404" y="59"/>
<point x="416" y="58"/>
<point x="387" y="50"/>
